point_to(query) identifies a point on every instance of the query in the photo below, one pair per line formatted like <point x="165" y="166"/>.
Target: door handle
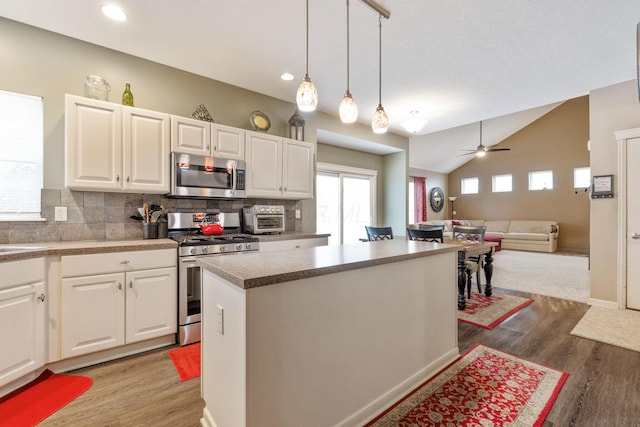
<point x="635" y="236"/>
<point x="41" y="297"/>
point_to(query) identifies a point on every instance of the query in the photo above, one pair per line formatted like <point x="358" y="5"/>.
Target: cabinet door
<point x="264" y="165"/>
<point x="190" y="136"/>
<point x="22" y="311"/>
<point x="146" y="151"/>
<point x="152" y="304"/>
<point x="298" y="169"/>
<point x="228" y="142"/>
<point x="92" y="313"/>
<point x="93" y="144"/>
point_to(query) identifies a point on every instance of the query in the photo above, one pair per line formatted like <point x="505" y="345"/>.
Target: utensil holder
<point x="163" y="230"/>
<point x="149" y="230"/>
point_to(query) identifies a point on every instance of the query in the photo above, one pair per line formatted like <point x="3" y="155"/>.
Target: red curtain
<point x="420" y="198"/>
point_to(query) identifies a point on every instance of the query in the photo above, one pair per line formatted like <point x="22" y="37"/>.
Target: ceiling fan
<point x="481" y="150"/>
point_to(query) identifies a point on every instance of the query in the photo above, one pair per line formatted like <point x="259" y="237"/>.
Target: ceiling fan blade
<point x="498" y="149"/>
<point x="467" y="154"/>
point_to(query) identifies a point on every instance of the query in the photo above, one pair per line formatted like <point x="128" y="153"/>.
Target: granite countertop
<point x="20" y="251"/>
<point x="289" y="235"/>
<point x="250" y="270"/>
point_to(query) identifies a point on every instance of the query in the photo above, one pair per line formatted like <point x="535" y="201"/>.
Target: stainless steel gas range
<point x="185" y="229"/>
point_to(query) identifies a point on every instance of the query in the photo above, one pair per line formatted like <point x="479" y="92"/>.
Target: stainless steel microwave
<point x="207" y="177"/>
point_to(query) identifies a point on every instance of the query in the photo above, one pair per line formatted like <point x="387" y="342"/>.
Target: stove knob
<point x="239" y="247"/>
<point x="247" y="246"/>
<point x="193" y="251"/>
<point x="222" y="248"/>
<point x="205" y="249"/>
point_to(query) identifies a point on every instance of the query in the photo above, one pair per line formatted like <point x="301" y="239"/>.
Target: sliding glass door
<point x="345" y="202"/>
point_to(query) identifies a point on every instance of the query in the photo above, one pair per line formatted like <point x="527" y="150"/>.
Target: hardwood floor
<point x="603" y="388"/>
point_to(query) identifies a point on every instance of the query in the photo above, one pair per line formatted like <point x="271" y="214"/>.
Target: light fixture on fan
<point x="380" y="122"/>
<point x="482" y="150"/>
<point x="307" y="95"/>
<point x="348" y="108"/>
<point x="415" y="124"/>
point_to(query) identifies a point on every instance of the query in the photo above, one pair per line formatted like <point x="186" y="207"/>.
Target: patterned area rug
<point x="489" y="312"/>
<point x="484" y="387"/>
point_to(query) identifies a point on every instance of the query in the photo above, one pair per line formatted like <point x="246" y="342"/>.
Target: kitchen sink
<point x="20" y="248"/>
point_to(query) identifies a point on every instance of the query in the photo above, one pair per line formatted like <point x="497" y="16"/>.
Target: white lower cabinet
<point x="22" y="318"/>
<point x="111" y="309"/>
<point x="283" y="245"/>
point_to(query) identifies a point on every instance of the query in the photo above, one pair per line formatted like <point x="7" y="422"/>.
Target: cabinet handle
<point x="285" y="189"/>
<point x="118" y="178"/>
<point x="41" y="297"/>
<point x="130" y="284"/>
<point x="635" y="236"/>
<point x="127" y="179"/>
<point x="119" y="286"/>
<point x="124" y="262"/>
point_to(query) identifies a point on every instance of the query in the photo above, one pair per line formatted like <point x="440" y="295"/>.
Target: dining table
<point x="472" y="248"/>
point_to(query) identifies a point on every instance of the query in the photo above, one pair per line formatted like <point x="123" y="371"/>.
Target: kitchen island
<point x="324" y="336"/>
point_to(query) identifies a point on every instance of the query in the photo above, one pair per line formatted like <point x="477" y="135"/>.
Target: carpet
<point x="554" y="275"/>
<point x="187" y="361"/>
<point x="610" y="326"/>
<point x="43" y="396"/>
<point x="489" y="312"/>
<point x="484" y="387"/>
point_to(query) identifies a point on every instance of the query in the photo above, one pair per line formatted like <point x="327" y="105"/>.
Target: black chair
<point x="434" y="233"/>
<point x="379" y="233"/>
<point x="471" y="233"/>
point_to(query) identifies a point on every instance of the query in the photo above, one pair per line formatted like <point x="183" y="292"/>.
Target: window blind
<point x="21" y="148"/>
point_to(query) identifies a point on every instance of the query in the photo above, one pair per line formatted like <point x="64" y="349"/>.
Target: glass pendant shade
<point x="348" y="109"/>
<point x="380" y="122"/>
<point x="307" y="96"/>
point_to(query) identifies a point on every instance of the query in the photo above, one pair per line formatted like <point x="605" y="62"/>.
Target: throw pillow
<point x="455" y="222"/>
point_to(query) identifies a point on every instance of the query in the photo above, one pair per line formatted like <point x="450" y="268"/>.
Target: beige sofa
<point x="526" y="235"/>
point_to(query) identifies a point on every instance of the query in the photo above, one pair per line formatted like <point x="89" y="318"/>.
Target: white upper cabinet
<point x="109" y="147"/>
<point x="146" y="151"/>
<point x="193" y="136"/>
<point x="227" y="142"/>
<point x="279" y="167"/>
<point x="190" y="136"/>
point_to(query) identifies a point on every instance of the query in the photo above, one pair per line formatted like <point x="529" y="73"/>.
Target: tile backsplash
<point x="106" y="216"/>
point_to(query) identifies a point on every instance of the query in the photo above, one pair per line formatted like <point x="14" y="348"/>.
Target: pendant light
<point x="348" y="108"/>
<point x="307" y="96"/>
<point x="380" y="122"/>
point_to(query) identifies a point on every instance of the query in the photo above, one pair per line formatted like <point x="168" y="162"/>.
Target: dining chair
<point x="473" y="264"/>
<point x="379" y="233"/>
<point x="434" y="233"/>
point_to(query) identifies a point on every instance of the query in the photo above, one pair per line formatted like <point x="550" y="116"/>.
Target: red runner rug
<point x="187" y="361"/>
<point x="489" y="312"/>
<point x="484" y="387"/>
<point x="43" y="396"/>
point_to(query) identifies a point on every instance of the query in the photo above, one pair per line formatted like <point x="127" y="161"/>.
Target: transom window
<point x="541" y="180"/>
<point x="469" y="185"/>
<point x="501" y="183"/>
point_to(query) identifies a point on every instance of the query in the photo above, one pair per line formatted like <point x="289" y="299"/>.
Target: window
<point x="21" y="142"/>
<point x="469" y="186"/>
<point x="541" y="180"/>
<point x="581" y="177"/>
<point x="345" y="202"/>
<point x="501" y="183"/>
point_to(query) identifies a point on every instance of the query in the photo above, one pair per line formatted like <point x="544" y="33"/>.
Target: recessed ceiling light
<point x="286" y="77"/>
<point x="114" y="12"/>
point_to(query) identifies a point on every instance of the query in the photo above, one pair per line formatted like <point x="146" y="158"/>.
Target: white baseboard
<point x="207" y="419"/>
<point x="603" y="303"/>
<point x="378" y="405"/>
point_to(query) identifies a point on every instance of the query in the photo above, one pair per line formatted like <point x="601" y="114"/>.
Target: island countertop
<point x="250" y="270"/>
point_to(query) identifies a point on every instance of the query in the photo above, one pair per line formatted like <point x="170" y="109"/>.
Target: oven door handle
<point x="190" y="260"/>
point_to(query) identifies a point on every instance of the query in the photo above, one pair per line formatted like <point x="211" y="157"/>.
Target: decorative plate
<point x="260" y="121"/>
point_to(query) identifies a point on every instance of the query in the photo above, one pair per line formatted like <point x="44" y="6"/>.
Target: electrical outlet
<point x="297" y="213"/>
<point x="60" y="213"/>
<point x="220" y="319"/>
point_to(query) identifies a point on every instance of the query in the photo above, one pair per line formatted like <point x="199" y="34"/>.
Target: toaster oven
<point x="263" y="219"/>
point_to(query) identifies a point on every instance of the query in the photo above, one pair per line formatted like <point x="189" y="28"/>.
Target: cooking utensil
<point x="145" y="207"/>
<point x="211" y="229"/>
<point x="155" y="216"/>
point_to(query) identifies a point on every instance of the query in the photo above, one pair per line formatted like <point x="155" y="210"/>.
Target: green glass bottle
<point x="127" y="96"/>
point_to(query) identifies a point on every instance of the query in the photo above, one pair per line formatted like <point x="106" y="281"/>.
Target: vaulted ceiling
<point x="457" y="62"/>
